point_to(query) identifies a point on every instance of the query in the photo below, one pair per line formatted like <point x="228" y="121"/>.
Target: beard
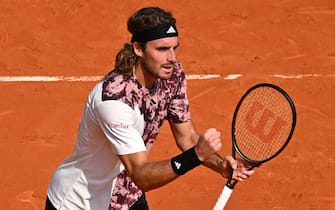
<point x="163" y="71"/>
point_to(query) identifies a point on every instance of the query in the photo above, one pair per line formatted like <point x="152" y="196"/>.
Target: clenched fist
<point x="208" y="144"/>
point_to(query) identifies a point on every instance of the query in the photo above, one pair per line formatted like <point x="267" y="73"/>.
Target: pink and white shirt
<point x="120" y="117"/>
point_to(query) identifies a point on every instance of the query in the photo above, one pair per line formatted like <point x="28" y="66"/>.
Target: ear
<point x="138" y="49"/>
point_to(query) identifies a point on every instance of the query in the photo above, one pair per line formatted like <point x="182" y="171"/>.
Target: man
<point x="122" y="117"/>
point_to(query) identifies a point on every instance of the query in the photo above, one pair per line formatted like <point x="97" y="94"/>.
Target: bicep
<point x="185" y="134"/>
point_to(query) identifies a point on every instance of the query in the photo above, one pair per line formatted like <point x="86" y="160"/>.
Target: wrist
<point x="185" y="161"/>
<point x="198" y="155"/>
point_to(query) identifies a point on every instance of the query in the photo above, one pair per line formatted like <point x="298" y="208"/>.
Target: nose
<point x="172" y="57"/>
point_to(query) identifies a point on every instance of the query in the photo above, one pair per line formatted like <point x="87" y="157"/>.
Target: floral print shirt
<point x="166" y="100"/>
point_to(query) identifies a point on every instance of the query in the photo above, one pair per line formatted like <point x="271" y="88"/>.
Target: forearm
<point x="152" y="175"/>
<point x="214" y="163"/>
<point x="185" y="142"/>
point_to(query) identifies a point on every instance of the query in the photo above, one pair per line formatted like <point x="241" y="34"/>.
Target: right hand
<point x="242" y="169"/>
<point x="208" y="144"/>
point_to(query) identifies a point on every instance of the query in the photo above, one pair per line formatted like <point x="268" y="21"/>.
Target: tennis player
<point x="109" y="167"/>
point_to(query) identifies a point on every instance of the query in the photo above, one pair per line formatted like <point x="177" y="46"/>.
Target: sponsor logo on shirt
<point x="117" y="125"/>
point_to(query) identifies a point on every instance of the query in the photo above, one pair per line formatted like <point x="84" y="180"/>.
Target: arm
<point x="151" y="175"/>
<point x="186" y="136"/>
<point x="148" y="175"/>
<point x="127" y="142"/>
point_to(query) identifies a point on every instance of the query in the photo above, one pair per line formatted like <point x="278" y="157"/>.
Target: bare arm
<point x="148" y="175"/>
<point x="151" y="175"/>
<point x="186" y="136"/>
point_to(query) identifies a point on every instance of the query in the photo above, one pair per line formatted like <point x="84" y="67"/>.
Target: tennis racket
<point x="262" y="126"/>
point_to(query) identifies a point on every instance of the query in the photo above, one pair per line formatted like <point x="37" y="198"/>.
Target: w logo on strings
<point x="263" y="123"/>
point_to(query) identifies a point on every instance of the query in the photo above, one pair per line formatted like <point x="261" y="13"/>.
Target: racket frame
<point x="294" y="113"/>
<point x="228" y="189"/>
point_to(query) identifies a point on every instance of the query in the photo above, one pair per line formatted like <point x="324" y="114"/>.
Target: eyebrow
<point x="167" y="47"/>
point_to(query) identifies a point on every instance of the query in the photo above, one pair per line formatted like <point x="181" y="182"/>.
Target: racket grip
<point x="223" y="198"/>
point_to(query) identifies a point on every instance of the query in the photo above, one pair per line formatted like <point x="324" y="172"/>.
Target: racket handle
<point x="223" y="198"/>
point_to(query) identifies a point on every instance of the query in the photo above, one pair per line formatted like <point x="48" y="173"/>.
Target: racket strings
<point x="262" y="124"/>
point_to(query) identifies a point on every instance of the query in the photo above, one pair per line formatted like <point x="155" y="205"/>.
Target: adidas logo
<point x="177" y="164"/>
<point x="171" y="30"/>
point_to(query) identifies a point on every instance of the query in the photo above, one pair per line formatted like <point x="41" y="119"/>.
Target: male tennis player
<point x="123" y="114"/>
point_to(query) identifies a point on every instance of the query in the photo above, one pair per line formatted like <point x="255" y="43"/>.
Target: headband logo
<point x="171" y="30"/>
<point x="157" y="32"/>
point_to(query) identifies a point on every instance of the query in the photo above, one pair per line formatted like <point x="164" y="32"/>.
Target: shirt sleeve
<point x="119" y="123"/>
<point x="179" y="109"/>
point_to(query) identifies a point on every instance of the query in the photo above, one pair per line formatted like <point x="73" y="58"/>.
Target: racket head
<point x="263" y="123"/>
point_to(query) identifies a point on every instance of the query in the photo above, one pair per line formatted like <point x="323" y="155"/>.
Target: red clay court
<point x="288" y="43"/>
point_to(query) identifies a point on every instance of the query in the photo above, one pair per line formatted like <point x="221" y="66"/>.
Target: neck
<point x="143" y="76"/>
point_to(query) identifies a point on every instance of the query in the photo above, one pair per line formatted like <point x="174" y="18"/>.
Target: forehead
<point x="164" y="42"/>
